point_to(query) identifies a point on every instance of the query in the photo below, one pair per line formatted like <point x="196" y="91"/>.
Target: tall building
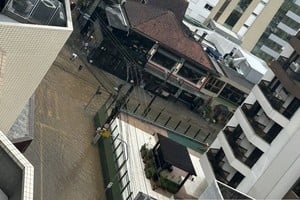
<point x="260" y="26"/>
<point x="257" y="151"/>
<point x="32" y="32"/>
<point x="16" y="173"/>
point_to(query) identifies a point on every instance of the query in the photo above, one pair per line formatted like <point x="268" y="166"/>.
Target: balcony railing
<point x="258" y="127"/>
<point x="232" y="135"/>
<point x="275" y="102"/>
<point x="253" y="157"/>
<point x="251" y="112"/>
<point x="236" y="180"/>
<point x="216" y="156"/>
<point x="233" y="140"/>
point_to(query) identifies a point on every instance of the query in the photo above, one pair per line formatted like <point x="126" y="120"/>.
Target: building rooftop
<point x="50" y="12"/>
<point x="178" y="7"/>
<point x="16" y="173"/>
<point x="163" y="26"/>
<point x="236" y="77"/>
<point x="135" y="138"/>
<point x="176" y="154"/>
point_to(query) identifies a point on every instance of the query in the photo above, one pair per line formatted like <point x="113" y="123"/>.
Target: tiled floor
<point x="67" y="166"/>
<point x="135" y="138"/>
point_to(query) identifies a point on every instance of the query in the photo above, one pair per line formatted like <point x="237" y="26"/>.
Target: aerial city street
<point x="149" y="99"/>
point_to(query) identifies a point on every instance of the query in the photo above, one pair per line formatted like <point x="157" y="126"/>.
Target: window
<point x="208" y="7"/>
<point x="214" y="85"/>
<point x="221" y="10"/>
<point x="237" y="13"/>
<point x="233" y="95"/>
<point x="191" y="73"/>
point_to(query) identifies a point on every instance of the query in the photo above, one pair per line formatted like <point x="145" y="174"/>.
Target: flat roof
<point x="176" y="154"/>
<point x="135" y="138"/>
<point x="15" y="169"/>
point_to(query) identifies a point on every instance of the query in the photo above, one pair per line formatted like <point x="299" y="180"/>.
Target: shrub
<point x="149" y="155"/>
<point x="150" y="171"/>
<point x="144" y="151"/>
<point x="168" y="185"/>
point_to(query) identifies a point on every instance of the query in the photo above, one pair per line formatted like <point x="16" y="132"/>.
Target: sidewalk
<point x="67" y="166"/>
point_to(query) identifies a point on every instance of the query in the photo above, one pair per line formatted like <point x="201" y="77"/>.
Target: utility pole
<point x="98" y="92"/>
<point x="119" y="104"/>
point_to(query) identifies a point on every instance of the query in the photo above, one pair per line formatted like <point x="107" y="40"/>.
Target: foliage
<point x="151" y="173"/>
<point x="144" y="151"/>
<point x="168" y="185"/>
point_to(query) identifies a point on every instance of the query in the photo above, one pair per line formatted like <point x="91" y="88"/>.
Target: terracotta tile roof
<point x="178" y="7"/>
<point x="138" y="13"/>
<point x="168" y="33"/>
<point x="162" y="26"/>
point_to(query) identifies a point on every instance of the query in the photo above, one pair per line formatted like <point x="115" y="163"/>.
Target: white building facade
<point x="262" y="26"/>
<point x="200" y="9"/>
<point x="257" y="151"/>
<point x="28" y="47"/>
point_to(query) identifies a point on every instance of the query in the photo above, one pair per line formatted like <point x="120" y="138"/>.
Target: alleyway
<point x="67" y="166"/>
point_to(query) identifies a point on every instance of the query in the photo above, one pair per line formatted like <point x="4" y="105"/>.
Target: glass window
<point x="280" y="16"/>
<point x="232" y="94"/>
<point x="237" y="13"/>
<point x="191" y="72"/>
<point x="214" y="85"/>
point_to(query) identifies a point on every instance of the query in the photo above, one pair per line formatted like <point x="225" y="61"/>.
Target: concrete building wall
<point x="215" y="10"/>
<point x="29" y="52"/>
<point x="212" y="192"/>
<point x="245" y="16"/>
<point x="255" y="31"/>
<point x="197" y="10"/>
<point x="227" y="11"/>
<point x="274" y="183"/>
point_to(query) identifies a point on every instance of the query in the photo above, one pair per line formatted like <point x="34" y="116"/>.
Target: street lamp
<point x="98" y="92"/>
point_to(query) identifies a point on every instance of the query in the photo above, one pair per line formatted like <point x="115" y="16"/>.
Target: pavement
<point x="67" y="166"/>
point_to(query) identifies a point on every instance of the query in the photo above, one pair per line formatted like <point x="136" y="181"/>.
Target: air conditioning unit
<point x="45" y="12"/>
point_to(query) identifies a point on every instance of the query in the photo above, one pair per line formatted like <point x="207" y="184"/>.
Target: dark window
<point x="232" y="19"/>
<point x="221" y="10"/>
<point x="232" y="94"/>
<point x="164" y="59"/>
<point x="191" y="72"/>
<point x="237" y="13"/>
<point x="208" y="7"/>
<point x="214" y="85"/>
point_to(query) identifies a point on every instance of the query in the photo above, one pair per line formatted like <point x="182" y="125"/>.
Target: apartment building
<point x="260" y="26"/>
<point x="257" y="151"/>
<point x="32" y="32"/>
<point x="16" y="173"/>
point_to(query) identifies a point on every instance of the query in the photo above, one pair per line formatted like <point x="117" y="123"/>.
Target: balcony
<point x="251" y="111"/>
<point x="280" y="67"/>
<point x="275" y="102"/>
<point x="243" y="150"/>
<point x="223" y="172"/>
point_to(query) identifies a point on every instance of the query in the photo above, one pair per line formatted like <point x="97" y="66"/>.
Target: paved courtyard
<point x="66" y="165"/>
